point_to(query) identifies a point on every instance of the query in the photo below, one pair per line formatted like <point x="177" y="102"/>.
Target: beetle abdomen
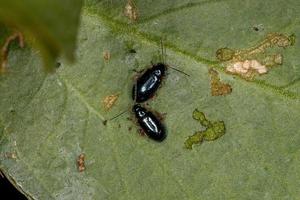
<point x="150" y="124"/>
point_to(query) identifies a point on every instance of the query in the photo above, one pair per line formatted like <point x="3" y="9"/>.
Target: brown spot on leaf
<point x="106" y="55"/>
<point x="80" y="162"/>
<point x="131" y="11"/>
<point x="218" y="88"/>
<point x="109" y="101"/>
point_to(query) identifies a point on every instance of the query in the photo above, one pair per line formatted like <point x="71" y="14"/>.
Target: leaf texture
<point x="48" y="120"/>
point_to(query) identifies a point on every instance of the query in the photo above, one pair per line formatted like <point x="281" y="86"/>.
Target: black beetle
<point x="149" y="123"/>
<point x="148" y="83"/>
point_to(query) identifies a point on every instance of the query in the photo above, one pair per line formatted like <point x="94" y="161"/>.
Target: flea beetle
<point x="150" y="124"/>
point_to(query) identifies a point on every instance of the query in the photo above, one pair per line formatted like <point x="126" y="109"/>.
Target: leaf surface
<point x="48" y="120"/>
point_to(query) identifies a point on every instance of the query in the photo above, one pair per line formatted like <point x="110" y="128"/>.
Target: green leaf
<point x="50" y="25"/>
<point x="48" y="120"/>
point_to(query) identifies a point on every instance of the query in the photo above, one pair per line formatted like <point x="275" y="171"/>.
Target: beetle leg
<point x="141" y="132"/>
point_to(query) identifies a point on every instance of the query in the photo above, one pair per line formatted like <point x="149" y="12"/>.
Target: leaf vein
<point x="176" y="180"/>
<point x="82" y="99"/>
<point x="176" y="9"/>
<point x="118" y="26"/>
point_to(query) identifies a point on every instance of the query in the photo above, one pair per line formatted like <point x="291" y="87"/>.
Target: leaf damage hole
<point x="5" y="49"/>
<point x="218" y="88"/>
<point x="213" y="131"/>
<point x="254" y="61"/>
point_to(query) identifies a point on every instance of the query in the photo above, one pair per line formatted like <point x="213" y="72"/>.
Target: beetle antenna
<point x="162" y="50"/>
<point x="135" y="92"/>
<point x="165" y="54"/>
<point x="179" y="71"/>
<point x="118" y="115"/>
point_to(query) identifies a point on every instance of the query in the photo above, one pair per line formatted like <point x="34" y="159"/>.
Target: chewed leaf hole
<point x="255" y="60"/>
<point x="213" y="131"/>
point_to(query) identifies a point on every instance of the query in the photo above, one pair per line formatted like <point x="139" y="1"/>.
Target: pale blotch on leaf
<point x="80" y="162"/>
<point x="273" y="60"/>
<point x="131" y="11"/>
<point x="254" y="61"/>
<point x="213" y="131"/>
<point x="13" y="155"/>
<point x="5" y="49"/>
<point x="10" y="155"/>
<point x="218" y="88"/>
<point x="109" y="101"/>
<point x="106" y="55"/>
<point x="246" y="69"/>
